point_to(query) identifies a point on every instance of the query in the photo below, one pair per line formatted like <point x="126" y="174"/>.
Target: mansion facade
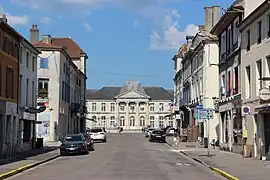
<point x="131" y="107"/>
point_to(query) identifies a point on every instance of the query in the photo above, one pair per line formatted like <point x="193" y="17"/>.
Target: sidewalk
<point x="28" y="160"/>
<point x="230" y="165"/>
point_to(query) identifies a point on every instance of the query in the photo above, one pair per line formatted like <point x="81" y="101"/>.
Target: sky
<point x="124" y="39"/>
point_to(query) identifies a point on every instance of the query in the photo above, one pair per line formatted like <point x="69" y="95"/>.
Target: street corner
<point x="224" y="174"/>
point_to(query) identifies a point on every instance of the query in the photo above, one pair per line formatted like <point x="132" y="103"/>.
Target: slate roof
<point x="109" y="93"/>
<point x="132" y="86"/>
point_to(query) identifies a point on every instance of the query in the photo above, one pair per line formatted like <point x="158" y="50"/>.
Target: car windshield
<point x="158" y="132"/>
<point x="151" y="130"/>
<point x="73" y="138"/>
<point x="95" y="130"/>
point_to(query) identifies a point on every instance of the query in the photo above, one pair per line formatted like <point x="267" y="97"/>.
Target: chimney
<point x="47" y="39"/>
<point x="34" y="34"/>
<point x="208" y="11"/>
<point x="201" y="28"/>
<point x="211" y="17"/>
<point x="4" y="18"/>
<point x="189" y="41"/>
<point x="216" y="15"/>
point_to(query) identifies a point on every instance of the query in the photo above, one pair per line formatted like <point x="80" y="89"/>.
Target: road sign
<point x="204" y="113"/>
<point x="199" y="106"/>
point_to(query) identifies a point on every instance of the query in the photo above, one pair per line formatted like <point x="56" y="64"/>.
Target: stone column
<point x="147" y="117"/>
<point x="127" y="123"/>
<point x="137" y="120"/>
<point x="117" y="114"/>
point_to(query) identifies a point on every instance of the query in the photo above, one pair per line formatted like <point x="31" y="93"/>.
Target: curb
<point x="216" y="170"/>
<point x="26" y="167"/>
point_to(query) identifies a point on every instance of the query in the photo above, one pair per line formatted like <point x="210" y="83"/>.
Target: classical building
<point x="61" y="86"/>
<point x="229" y="100"/>
<point x="131" y="107"/>
<point x="255" y="75"/>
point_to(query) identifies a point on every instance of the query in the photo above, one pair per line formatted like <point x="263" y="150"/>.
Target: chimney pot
<point x="4" y="18"/>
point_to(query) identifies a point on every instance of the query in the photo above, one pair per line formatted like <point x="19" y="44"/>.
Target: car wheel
<point x="105" y="140"/>
<point x="62" y="154"/>
<point x="150" y="140"/>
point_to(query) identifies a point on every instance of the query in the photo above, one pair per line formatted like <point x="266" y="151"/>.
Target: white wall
<point x="251" y="5"/>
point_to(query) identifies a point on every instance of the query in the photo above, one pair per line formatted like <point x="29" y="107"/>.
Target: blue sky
<point x="124" y="39"/>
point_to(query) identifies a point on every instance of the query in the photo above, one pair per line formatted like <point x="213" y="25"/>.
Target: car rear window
<point x="73" y="138"/>
<point x="95" y="130"/>
<point x="158" y="132"/>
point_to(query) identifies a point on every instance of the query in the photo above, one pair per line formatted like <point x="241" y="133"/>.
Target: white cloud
<point x="46" y="20"/>
<point x="17" y="20"/>
<point x="135" y="23"/>
<point x="87" y="27"/>
<point x="168" y="36"/>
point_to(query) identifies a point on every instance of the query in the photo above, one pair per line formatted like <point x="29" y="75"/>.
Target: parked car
<point x="157" y="136"/>
<point x="74" y="144"/>
<point x="89" y="142"/>
<point x="148" y="132"/>
<point x="98" y="134"/>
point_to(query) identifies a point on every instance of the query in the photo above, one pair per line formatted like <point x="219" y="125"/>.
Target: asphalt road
<point x="123" y="157"/>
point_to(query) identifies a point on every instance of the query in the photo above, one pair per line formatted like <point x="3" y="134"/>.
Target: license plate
<point x="71" y="149"/>
<point x="158" y="136"/>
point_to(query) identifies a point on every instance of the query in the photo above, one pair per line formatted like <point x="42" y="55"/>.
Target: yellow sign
<point x="244" y="133"/>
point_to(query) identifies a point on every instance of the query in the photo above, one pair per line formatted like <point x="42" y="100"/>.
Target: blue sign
<point x="204" y="113"/>
<point x="199" y="106"/>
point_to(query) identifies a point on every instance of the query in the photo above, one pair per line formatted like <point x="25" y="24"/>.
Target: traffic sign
<point x="199" y="106"/>
<point x="205" y="113"/>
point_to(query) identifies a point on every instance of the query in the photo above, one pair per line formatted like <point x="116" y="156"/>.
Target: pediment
<point x="132" y="95"/>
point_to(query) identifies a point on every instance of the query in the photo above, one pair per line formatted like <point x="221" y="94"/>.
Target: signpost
<point x="205" y="114"/>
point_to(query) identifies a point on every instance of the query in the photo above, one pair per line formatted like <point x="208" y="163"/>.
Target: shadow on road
<point x="11" y="157"/>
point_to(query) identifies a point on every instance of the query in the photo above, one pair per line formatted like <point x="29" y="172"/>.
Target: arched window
<point x="122" y="121"/>
<point x="132" y="121"/>
<point x="152" y="121"/>
<point x="142" y="121"/>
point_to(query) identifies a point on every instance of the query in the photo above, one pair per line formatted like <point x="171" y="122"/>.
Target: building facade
<point x="10" y="41"/>
<point x="131" y="107"/>
<point x="59" y="89"/>
<point x="255" y="63"/>
<point x="27" y="95"/>
<point x="229" y="99"/>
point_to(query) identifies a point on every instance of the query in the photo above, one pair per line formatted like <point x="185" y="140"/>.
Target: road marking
<point x="174" y="150"/>
<point x="181" y="164"/>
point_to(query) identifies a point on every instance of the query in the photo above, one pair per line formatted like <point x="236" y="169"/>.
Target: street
<point x="126" y="157"/>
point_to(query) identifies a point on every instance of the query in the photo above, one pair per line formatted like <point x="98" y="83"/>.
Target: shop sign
<point x="264" y="94"/>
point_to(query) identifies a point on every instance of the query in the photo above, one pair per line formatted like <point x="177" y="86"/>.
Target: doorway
<point x="267" y="133"/>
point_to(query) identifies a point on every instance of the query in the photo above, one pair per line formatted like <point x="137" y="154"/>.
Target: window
<point x="27" y="59"/>
<point x="122" y="107"/>
<point x="33" y="63"/>
<point x="229" y="83"/>
<point x="161" y="107"/>
<point x="33" y="95"/>
<point x="103" y="107"/>
<point x="94" y="106"/>
<point x="112" y="122"/>
<point x="152" y="121"/>
<point x="142" y="121"/>
<point x="259" y="39"/>
<point x="248" y="82"/>
<point x="132" y="121"/>
<point x="9" y="83"/>
<point x="161" y="123"/>
<point x="0" y="79"/>
<point x="171" y="123"/>
<point x="103" y="121"/>
<point x="248" y="40"/>
<point x="152" y="107"/>
<point x="132" y="108"/>
<point x="161" y="118"/>
<point x="27" y="92"/>
<point x="122" y="121"/>
<point x="259" y="74"/>
<point x="21" y="55"/>
<point x="228" y="42"/>
<point x="236" y="76"/>
<point x="268" y="31"/>
<point x="64" y="68"/>
<point x="44" y="63"/>
<point x="63" y="90"/>
<point x="43" y="87"/>
<point x="112" y="107"/>
<point x="21" y="83"/>
<point x="236" y="32"/>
